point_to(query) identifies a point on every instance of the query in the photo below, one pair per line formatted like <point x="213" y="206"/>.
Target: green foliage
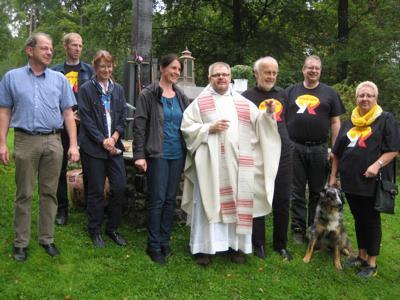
<point x="244" y="72"/>
<point x="347" y="94"/>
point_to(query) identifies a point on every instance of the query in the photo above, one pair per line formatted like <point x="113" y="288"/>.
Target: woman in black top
<point x="102" y="111"/>
<point x="365" y="145"/>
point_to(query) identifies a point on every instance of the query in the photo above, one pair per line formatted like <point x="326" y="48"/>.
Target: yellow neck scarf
<point x="368" y="118"/>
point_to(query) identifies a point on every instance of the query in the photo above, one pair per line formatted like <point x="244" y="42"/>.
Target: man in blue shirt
<point x="36" y="101"/>
<point x="77" y="72"/>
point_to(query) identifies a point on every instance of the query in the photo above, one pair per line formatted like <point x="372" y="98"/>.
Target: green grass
<point x="82" y="272"/>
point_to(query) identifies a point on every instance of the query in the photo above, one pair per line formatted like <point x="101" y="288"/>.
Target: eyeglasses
<point x="216" y="75"/>
<point x="366" y="96"/>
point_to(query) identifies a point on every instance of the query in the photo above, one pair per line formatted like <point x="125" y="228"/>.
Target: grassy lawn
<point x="82" y="272"/>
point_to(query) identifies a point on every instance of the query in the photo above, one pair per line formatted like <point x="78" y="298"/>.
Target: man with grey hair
<point x="77" y="72"/>
<point x="313" y="111"/>
<point x="231" y="164"/>
<point x="36" y="110"/>
<point x="266" y="73"/>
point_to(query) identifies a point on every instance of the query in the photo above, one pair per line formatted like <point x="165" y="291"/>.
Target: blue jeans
<point x="163" y="178"/>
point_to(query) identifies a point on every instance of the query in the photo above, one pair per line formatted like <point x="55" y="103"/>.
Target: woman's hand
<point x="141" y="164"/>
<point x="372" y="170"/>
<point x="109" y="144"/>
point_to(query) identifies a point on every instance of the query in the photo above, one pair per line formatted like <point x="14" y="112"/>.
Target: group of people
<point x="242" y="156"/>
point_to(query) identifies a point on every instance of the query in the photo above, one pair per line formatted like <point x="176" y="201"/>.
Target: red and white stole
<point x="234" y="210"/>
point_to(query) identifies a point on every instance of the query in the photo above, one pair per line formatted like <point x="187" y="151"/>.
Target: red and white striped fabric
<point x="234" y="208"/>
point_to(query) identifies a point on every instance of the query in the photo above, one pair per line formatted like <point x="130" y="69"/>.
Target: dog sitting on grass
<point x="328" y="231"/>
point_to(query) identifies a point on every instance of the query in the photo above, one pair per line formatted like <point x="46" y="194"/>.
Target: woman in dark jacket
<point x="102" y="111"/>
<point x="365" y="145"/>
<point x="158" y="150"/>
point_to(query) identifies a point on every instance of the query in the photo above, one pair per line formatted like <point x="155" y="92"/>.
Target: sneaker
<point x="368" y="271"/>
<point x="357" y="262"/>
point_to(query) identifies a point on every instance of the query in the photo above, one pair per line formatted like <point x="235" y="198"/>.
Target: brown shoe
<point x="202" y="259"/>
<point x="237" y="257"/>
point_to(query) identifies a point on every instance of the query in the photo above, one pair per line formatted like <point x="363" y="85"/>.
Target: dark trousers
<point x="280" y="207"/>
<point x="310" y="167"/>
<point x="97" y="170"/>
<point x="163" y="178"/>
<point x="62" y="189"/>
<point x="367" y="223"/>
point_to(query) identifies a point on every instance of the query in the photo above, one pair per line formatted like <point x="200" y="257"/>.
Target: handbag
<point x="385" y="196"/>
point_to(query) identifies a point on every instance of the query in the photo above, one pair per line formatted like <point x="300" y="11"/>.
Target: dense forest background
<point x="357" y="40"/>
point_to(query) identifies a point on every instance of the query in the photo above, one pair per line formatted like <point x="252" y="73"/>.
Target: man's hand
<point x="218" y="126"/>
<point x="4" y="154"/>
<point x="271" y="106"/>
<point x="73" y="154"/>
<point x="332" y="181"/>
<point x="76" y="117"/>
<point x="141" y="164"/>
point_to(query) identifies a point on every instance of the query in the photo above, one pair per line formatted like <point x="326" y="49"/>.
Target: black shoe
<point x="298" y="237"/>
<point x="20" y="253"/>
<point x="285" y="254"/>
<point x="237" y="257"/>
<point x="156" y="256"/>
<point x="62" y="218"/>
<point x="368" y="271"/>
<point x="259" y="252"/>
<point x="97" y="240"/>
<point x="51" y="249"/>
<point x="166" y="250"/>
<point x="202" y="259"/>
<point x="116" y="237"/>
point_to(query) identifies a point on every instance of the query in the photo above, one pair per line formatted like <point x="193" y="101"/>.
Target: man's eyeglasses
<point x="216" y="75"/>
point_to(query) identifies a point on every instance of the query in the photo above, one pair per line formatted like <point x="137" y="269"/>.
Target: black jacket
<point x="92" y="116"/>
<point x="149" y="121"/>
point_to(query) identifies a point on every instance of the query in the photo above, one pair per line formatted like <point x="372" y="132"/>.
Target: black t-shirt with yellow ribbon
<point x="309" y="111"/>
<point x="259" y="98"/>
<point x="358" y="148"/>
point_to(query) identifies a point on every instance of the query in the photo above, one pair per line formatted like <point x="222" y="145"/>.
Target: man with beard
<point x="266" y="72"/>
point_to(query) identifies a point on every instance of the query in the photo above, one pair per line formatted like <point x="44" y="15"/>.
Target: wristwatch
<point x="380" y="163"/>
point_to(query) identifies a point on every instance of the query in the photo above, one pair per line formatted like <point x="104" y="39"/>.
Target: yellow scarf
<point x="368" y="118"/>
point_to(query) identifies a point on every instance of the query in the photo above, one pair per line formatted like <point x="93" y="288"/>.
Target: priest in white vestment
<point x="231" y="164"/>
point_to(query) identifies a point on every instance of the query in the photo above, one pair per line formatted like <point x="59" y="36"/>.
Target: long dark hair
<point x="166" y="60"/>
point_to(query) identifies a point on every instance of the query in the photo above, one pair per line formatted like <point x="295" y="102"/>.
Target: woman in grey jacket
<point x="159" y="150"/>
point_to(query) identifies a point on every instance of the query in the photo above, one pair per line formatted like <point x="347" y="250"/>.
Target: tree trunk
<point x="237" y="31"/>
<point x="343" y="36"/>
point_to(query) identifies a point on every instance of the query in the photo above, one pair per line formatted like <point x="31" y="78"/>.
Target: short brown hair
<point x="102" y="54"/>
<point x="67" y="38"/>
<point x="32" y="39"/>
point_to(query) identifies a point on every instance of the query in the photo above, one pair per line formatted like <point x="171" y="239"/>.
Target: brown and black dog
<point x="328" y="230"/>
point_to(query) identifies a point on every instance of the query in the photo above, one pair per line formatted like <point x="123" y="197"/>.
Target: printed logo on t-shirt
<point x="278" y="108"/>
<point x="358" y="135"/>
<point x="307" y="102"/>
<point x="73" y="80"/>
